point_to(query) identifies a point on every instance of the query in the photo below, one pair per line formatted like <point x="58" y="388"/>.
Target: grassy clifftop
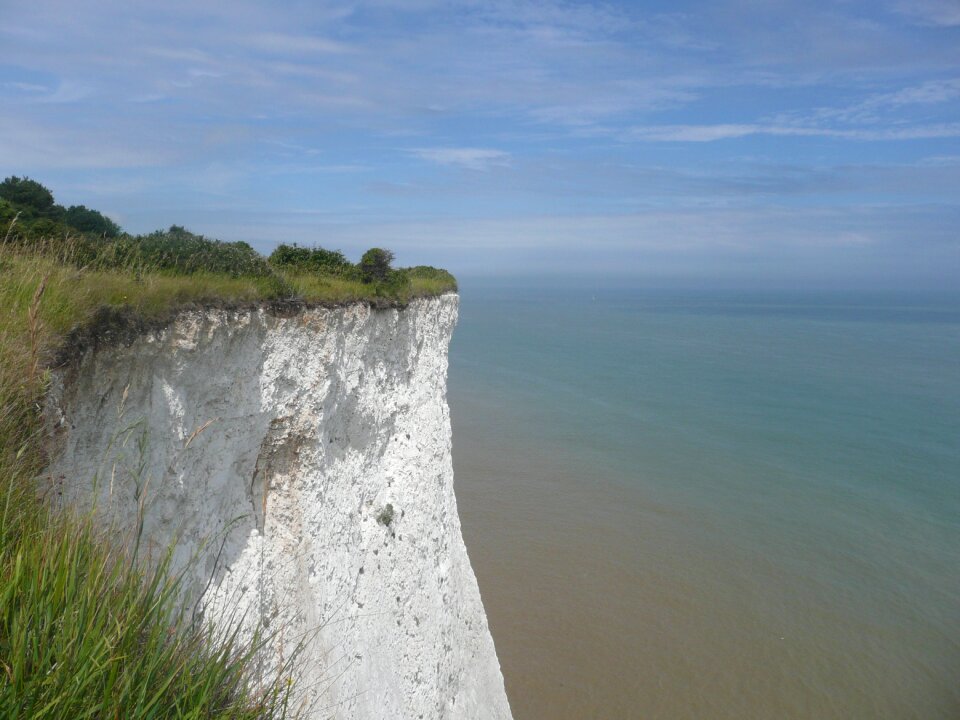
<point x="176" y="265"/>
<point x="85" y="629"/>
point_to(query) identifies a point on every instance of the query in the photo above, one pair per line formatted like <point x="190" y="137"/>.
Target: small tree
<point x="375" y="265"/>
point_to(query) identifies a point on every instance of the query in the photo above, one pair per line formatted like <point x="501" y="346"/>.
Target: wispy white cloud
<point x="149" y="98"/>
<point x="287" y="43"/>
<point x="45" y="147"/>
<point x="25" y="87"/>
<point x="878" y="108"/>
<point x="465" y="157"/>
<point x="68" y="92"/>
<point x="926" y="93"/>
<point x="943" y="13"/>
<point x="878" y="117"/>
<point x="711" y="133"/>
<point x="186" y="54"/>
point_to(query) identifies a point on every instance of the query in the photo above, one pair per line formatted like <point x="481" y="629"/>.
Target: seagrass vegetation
<point x="87" y="630"/>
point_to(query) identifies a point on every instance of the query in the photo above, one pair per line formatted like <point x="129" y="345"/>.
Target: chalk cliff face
<point x="303" y="462"/>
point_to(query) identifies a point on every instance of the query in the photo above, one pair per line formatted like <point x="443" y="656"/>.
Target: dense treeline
<point x="38" y="215"/>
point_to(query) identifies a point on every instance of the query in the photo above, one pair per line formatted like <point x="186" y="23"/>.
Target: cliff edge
<point x="302" y="463"/>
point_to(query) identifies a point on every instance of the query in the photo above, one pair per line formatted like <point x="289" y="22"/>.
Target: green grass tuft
<point x="84" y="633"/>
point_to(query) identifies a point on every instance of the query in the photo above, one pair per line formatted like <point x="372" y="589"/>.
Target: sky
<point x="786" y="142"/>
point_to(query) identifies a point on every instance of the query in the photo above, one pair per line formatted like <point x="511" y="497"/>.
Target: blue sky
<point x="796" y="142"/>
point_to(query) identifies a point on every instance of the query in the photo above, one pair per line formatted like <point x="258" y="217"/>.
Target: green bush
<point x="433" y="275"/>
<point x="375" y="265"/>
<point x="90" y="221"/>
<point x="39" y="228"/>
<point x="177" y="250"/>
<point x="316" y="259"/>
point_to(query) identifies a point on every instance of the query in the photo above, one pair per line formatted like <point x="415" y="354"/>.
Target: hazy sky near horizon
<point x="793" y="141"/>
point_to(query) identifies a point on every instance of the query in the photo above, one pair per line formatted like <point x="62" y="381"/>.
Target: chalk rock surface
<point x="302" y="462"/>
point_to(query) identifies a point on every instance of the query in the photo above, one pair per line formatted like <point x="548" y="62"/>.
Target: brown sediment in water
<point x="606" y="603"/>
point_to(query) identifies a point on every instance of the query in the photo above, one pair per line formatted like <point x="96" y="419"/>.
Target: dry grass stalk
<point x="13" y="222"/>
<point x="34" y="326"/>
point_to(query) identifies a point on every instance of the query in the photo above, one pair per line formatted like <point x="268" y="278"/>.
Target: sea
<point x="712" y="504"/>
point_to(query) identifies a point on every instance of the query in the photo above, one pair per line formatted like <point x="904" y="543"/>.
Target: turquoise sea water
<point x="713" y="504"/>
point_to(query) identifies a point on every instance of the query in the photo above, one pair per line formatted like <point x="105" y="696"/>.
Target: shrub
<point x="434" y="277"/>
<point x="85" y="220"/>
<point x="36" y="229"/>
<point x="316" y="259"/>
<point x="375" y="265"/>
<point x="181" y="251"/>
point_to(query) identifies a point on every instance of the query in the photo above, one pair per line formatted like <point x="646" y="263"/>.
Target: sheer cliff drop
<point x="302" y="461"/>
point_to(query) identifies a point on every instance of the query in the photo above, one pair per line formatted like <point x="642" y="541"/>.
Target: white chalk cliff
<point x="302" y="460"/>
